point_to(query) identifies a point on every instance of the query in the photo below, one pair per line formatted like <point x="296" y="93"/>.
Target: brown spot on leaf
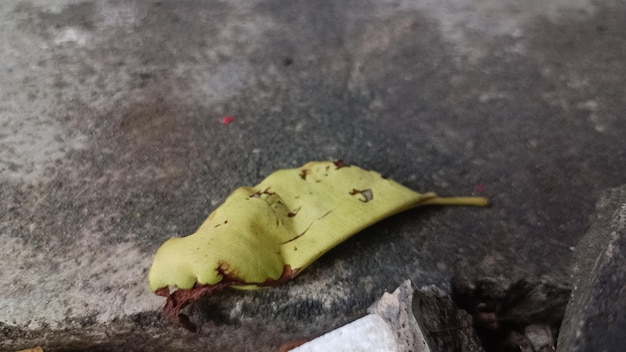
<point x="366" y="193"/>
<point x="294" y="212"/>
<point x="298" y="236"/>
<point x="231" y="274"/>
<point x="340" y="163"/>
<point x="308" y="227"/>
<point x="258" y="194"/>
<point x="163" y="291"/>
<point x="180" y="298"/>
<point x="325" y="214"/>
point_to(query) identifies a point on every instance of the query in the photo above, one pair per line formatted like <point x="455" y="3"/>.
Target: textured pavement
<point x="112" y="140"/>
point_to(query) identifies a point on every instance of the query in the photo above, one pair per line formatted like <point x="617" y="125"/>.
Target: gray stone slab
<point x="397" y="311"/>
<point x="112" y="141"/>
<point x="422" y="320"/>
<point x="595" y="319"/>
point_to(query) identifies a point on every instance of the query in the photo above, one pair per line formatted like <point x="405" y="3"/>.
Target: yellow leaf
<point x="267" y="234"/>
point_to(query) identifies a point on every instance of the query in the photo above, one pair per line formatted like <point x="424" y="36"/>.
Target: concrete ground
<point x="112" y="141"/>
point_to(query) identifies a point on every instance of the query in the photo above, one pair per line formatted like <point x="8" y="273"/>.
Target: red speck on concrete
<point x="480" y="187"/>
<point x="228" y="119"/>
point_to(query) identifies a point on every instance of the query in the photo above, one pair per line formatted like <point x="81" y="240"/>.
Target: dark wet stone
<point x="522" y="316"/>
<point x="445" y="326"/>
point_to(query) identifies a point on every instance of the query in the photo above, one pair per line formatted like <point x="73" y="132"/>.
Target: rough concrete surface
<point x="595" y="318"/>
<point x="112" y="141"/>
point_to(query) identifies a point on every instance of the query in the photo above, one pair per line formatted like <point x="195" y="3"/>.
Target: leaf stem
<point x="436" y="200"/>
